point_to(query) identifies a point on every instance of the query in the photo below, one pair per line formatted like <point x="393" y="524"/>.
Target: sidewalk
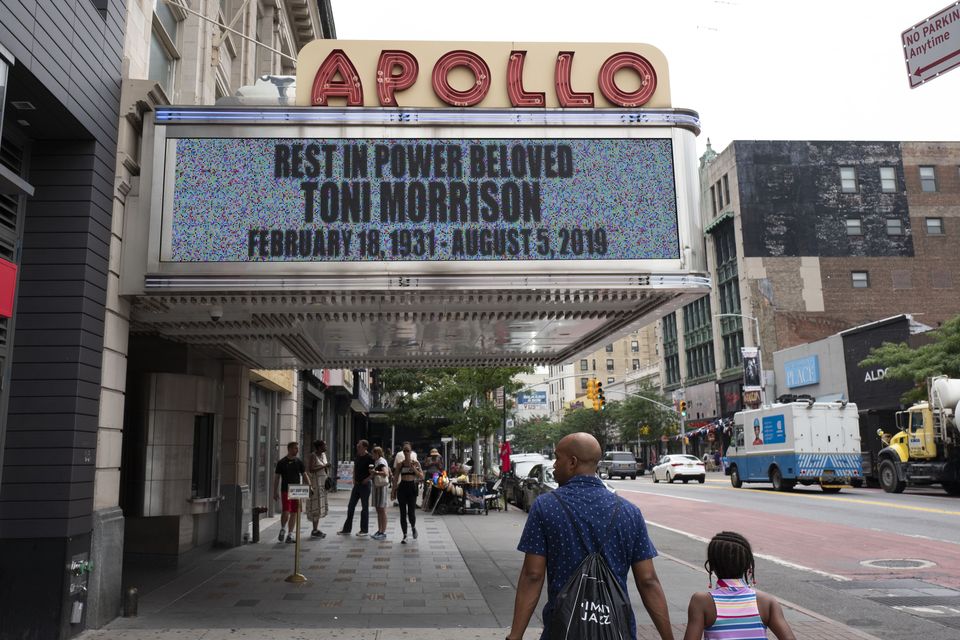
<point x="457" y="581"/>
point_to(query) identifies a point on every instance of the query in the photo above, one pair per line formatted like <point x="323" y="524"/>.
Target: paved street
<point x="458" y="579"/>
<point x="815" y="546"/>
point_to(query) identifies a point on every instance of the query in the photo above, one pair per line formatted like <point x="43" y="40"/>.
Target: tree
<point x="939" y="357"/>
<point x="460" y="397"/>
<point x="593" y="422"/>
<point x="535" y="435"/>
<point x="643" y="410"/>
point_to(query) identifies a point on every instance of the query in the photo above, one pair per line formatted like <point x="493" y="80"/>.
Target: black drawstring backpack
<point x="591" y="605"/>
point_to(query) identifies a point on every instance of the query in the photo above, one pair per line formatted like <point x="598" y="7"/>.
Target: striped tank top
<point x="738" y="617"/>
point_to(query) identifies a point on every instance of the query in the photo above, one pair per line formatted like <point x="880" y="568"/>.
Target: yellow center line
<point x="843" y="499"/>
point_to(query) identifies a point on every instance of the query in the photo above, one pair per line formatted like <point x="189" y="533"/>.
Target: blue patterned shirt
<point x="550" y="533"/>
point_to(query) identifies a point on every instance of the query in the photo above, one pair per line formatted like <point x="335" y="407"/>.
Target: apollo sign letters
<point x="497" y="75"/>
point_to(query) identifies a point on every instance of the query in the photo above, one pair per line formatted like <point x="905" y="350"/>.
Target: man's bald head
<point x="577" y="454"/>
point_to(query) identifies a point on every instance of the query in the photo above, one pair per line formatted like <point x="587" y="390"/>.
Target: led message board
<point x="389" y="200"/>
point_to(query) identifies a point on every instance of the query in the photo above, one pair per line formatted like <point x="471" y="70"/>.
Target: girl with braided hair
<point x="733" y="610"/>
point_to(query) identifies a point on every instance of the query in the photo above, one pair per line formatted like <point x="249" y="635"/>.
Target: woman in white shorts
<point x="381" y="489"/>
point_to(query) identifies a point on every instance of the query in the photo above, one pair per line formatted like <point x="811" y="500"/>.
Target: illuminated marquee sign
<point x="433" y="199"/>
<point x="481" y="74"/>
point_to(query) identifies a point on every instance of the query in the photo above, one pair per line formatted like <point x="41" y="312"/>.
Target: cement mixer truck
<point x="926" y="447"/>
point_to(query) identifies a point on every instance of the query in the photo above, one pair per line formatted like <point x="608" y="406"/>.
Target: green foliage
<point x="536" y="435"/>
<point x="939" y="357"/>
<point x="593" y="422"/>
<point x="641" y="410"/>
<point x="463" y="398"/>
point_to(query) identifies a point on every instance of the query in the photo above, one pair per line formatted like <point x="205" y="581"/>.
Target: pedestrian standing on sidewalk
<point x="432" y="464"/>
<point x="554" y="549"/>
<point x="319" y="472"/>
<point x="407" y="472"/>
<point x="362" y="479"/>
<point x="734" y="610"/>
<point x="289" y="471"/>
<point x="400" y="457"/>
<point x="381" y="488"/>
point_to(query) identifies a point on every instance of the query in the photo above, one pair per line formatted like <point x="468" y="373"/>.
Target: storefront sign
<point x="530" y="400"/>
<point x="376" y="200"/>
<point x="802" y="371"/>
<point x="870" y="387"/>
<point x="481" y="74"/>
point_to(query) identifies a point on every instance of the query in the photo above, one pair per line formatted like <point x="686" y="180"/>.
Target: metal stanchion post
<point x="296" y="576"/>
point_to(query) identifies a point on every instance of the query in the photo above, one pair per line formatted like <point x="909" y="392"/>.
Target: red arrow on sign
<point x="920" y="71"/>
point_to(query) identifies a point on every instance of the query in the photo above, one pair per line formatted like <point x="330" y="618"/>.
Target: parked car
<point x="680" y="467"/>
<point x="619" y="463"/>
<point x="521" y="464"/>
<point x="539" y="481"/>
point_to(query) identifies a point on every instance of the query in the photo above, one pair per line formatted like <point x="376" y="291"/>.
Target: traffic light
<point x="591" y="389"/>
<point x="599" y="405"/>
<point x="683" y="408"/>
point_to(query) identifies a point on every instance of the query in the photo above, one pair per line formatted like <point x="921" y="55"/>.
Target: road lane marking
<point x="917" y="535"/>
<point x="785" y="603"/>
<point x="764" y="556"/>
<point x="843" y="499"/>
<point x="663" y="495"/>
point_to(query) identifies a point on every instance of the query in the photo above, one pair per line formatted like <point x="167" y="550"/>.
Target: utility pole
<point x="683" y="437"/>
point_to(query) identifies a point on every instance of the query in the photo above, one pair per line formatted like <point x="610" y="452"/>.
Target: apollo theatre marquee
<point x="485" y="202"/>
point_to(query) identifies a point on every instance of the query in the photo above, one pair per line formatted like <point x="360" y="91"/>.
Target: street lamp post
<point x="756" y="327"/>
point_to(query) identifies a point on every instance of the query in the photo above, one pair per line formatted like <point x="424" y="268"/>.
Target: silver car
<point x="619" y="463"/>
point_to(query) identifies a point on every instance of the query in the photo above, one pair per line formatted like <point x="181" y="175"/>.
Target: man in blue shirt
<point x="553" y="548"/>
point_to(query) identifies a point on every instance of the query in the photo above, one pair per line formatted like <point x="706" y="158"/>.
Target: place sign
<point x="481" y="74"/>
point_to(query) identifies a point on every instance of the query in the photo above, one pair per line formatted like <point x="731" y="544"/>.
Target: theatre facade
<point x="416" y="204"/>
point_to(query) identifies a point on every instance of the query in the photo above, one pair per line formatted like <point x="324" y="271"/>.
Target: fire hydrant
<point x="256" y="522"/>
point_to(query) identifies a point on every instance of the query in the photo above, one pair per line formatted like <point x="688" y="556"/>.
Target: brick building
<point x="805" y="239"/>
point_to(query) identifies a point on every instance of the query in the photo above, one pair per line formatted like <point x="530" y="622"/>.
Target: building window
<point x="583" y="383"/>
<point x="934" y="226"/>
<point x="583" y="365"/>
<point x="726" y="189"/>
<point x="671" y="359"/>
<point x="861" y="279"/>
<point x="928" y="179"/>
<point x="594" y="363"/>
<point x="609" y="348"/>
<point x="164" y="42"/>
<point x="854" y="227"/>
<point x="848" y="179"/>
<point x="611" y="380"/>
<point x="728" y="293"/>
<point x="888" y="179"/>
<point x="201" y="485"/>
<point x="635" y="346"/>
<point x="609" y="364"/>
<point x="894" y="227"/>
<point x="698" y="338"/>
<point x="713" y="201"/>
<point x="635" y="364"/>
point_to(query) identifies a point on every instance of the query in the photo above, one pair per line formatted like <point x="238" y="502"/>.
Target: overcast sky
<point x="754" y="69"/>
